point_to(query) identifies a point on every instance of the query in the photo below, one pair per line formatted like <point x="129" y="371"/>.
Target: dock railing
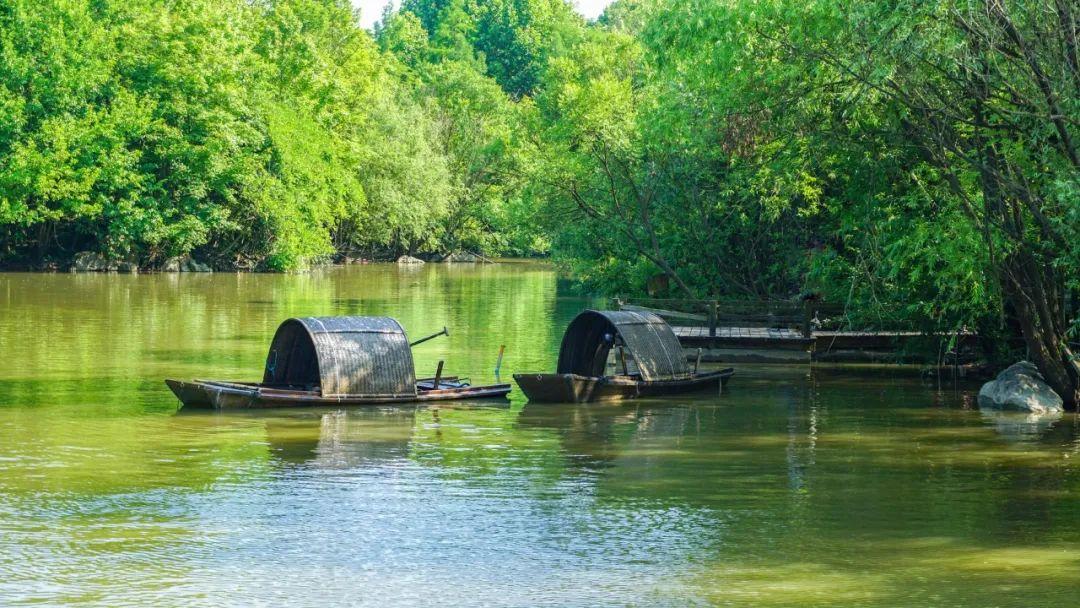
<point x="824" y="329"/>
<point x="803" y="315"/>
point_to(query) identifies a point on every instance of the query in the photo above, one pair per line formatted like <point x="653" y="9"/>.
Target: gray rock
<point x="184" y="263"/>
<point x="88" y="261"/>
<point x="461" y="257"/>
<point x="190" y="265"/>
<point x="128" y="267"/>
<point x="1021" y="388"/>
<point x="408" y="260"/>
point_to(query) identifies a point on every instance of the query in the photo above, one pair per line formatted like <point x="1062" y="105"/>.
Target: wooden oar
<point x="444" y="332"/>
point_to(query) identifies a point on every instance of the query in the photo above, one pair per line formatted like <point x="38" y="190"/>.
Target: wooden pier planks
<point x="783" y="345"/>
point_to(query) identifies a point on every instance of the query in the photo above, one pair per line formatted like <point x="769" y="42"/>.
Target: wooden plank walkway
<point x="785" y="345"/>
<point x="729" y="333"/>
<point x="771" y="333"/>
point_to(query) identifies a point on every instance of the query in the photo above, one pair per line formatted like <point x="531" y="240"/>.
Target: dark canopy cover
<point x="648" y="339"/>
<point x="343" y="356"/>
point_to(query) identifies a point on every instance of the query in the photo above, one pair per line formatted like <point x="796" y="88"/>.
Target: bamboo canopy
<point x="344" y="356"/>
<point x="647" y="338"/>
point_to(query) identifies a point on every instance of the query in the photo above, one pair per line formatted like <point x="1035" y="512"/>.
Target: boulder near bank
<point x="1020" y="388"/>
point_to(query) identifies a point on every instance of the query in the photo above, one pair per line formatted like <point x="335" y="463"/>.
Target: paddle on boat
<point x="618" y="355"/>
<point x="335" y="361"/>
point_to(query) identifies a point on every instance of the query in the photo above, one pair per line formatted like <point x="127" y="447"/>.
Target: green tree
<point x="514" y="38"/>
<point x="662" y="150"/>
<point x="987" y="94"/>
<point x="105" y="144"/>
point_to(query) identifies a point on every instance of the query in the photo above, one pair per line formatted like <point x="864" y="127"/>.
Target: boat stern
<point x="196" y="394"/>
<point x="191" y="394"/>
<point x="556" y="388"/>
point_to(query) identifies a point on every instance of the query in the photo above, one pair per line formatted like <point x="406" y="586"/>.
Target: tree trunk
<point x="1046" y="342"/>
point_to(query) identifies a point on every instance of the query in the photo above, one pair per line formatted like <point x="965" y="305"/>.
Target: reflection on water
<point x="1022" y="426"/>
<point x="794" y="488"/>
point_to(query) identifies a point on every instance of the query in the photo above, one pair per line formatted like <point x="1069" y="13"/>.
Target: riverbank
<point x="90" y="262"/>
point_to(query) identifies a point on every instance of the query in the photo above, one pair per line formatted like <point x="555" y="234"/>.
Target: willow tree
<point x="929" y="146"/>
<point x="987" y="92"/>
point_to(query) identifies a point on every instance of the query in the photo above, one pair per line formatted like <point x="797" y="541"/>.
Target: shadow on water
<point x="323" y="437"/>
<point x="343" y="438"/>
<point x="1021" y="427"/>
<point x="587" y="434"/>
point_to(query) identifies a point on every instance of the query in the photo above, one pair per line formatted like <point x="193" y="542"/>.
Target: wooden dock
<point x="786" y="345"/>
<point x="786" y="332"/>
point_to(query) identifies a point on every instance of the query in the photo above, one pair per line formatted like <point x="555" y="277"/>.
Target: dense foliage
<point x="914" y="161"/>
<point x="917" y="162"/>
<point x="264" y="134"/>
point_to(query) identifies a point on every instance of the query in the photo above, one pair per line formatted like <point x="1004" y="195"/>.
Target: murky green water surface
<point x="794" y="488"/>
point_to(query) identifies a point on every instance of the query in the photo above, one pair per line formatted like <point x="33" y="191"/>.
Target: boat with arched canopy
<point x="618" y="354"/>
<point x="334" y="361"/>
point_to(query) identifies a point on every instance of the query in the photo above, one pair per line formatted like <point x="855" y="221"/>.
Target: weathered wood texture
<point x="785" y="332"/>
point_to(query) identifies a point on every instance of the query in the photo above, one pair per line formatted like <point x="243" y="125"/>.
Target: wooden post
<point x="498" y="362"/>
<point x="713" y="314"/>
<point x="807" y="318"/>
<point x="697" y="363"/>
<point x="438" y="376"/>
<point x="622" y="357"/>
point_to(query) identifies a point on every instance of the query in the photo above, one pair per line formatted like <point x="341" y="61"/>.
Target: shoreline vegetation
<point x="90" y="262"/>
<point x="917" y="164"/>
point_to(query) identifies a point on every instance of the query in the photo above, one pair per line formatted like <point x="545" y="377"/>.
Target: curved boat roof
<point x="352" y="356"/>
<point x="648" y="339"/>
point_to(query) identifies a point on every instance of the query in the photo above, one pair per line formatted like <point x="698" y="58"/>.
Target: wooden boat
<point x="618" y="355"/>
<point x="317" y="361"/>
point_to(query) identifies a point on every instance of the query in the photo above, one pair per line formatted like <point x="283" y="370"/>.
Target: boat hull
<point x="237" y="395"/>
<point x="572" y="388"/>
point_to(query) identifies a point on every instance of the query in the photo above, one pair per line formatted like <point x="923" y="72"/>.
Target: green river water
<point x="796" y="487"/>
